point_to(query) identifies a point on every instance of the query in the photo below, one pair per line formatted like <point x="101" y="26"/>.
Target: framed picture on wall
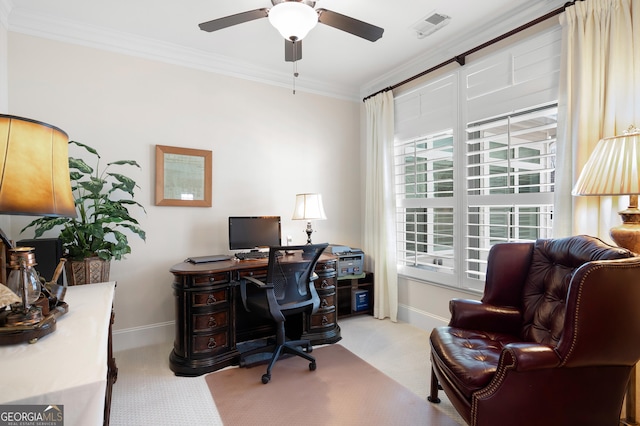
<point x="183" y="176"/>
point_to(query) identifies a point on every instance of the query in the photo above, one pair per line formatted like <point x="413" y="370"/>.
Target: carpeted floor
<point x="148" y="393"/>
<point x="344" y="390"/>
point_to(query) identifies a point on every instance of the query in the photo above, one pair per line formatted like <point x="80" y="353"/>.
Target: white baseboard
<point x="421" y="319"/>
<point x="137" y="337"/>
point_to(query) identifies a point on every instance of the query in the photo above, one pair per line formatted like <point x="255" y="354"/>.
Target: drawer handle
<point x="211" y="299"/>
<point x="213" y="322"/>
<point x="212" y="343"/>
<point x="325" y="320"/>
<point x="324" y="303"/>
<point x="211" y="279"/>
<point x="324" y="284"/>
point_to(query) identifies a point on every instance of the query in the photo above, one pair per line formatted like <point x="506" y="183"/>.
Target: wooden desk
<point x="212" y="324"/>
<point x="71" y="366"/>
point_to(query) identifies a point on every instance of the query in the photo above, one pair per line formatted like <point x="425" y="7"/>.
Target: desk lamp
<point x="34" y="180"/>
<point x="309" y="207"/>
<point x="614" y="169"/>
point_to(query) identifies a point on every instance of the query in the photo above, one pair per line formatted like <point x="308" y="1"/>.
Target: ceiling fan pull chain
<point x="295" y="65"/>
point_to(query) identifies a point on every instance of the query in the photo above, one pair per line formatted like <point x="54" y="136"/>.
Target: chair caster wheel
<point x="433" y="400"/>
<point x="312" y="366"/>
<point x="266" y="378"/>
<point x="309" y="349"/>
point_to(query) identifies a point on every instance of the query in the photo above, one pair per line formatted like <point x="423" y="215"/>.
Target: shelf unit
<point x="344" y="291"/>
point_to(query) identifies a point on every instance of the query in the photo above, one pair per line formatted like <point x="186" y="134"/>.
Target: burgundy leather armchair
<point x="553" y="340"/>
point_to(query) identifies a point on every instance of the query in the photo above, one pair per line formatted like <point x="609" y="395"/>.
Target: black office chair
<point x="287" y="290"/>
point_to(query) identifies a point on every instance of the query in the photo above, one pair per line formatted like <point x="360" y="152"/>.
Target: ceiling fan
<point x="294" y="19"/>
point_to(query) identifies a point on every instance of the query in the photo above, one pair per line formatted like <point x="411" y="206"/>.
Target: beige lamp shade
<point x="34" y="169"/>
<point x="613" y="167"/>
<point x="309" y="207"/>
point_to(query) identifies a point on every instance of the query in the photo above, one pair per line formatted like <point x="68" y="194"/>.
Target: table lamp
<point x="309" y="207"/>
<point x="614" y="169"/>
<point x="34" y="180"/>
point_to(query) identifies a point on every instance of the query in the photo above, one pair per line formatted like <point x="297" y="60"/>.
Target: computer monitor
<point x="253" y="232"/>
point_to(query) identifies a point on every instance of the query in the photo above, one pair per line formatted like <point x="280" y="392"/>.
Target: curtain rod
<point x="461" y="59"/>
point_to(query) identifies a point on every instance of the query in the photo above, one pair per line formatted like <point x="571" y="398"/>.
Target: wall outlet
<point x="289" y="240"/>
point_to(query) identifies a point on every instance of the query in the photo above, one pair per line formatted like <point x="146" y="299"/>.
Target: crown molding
<point x="461" y="43"/>
<point x="74" y="32"/>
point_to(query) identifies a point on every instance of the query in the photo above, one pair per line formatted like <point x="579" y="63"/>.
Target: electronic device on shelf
<point x="253" y="232"/>
<point x="350" y="261"/>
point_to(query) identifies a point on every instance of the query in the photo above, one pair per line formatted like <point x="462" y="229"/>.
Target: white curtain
<point x="380" y="205"/>
<point x="599" y="97"/>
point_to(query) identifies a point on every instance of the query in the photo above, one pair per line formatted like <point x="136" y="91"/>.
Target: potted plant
<point x="93" y="238"/>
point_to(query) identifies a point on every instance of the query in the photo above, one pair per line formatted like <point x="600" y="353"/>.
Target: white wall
<point x="426" y="305"/>
<point x="4" y="34"/>
<point x="5" y="221"/>
<point x="267" y="144"/>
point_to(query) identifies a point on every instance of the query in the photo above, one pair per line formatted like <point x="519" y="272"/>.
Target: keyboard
<point x="255" y="255"/>
<point x="252" y="255"/>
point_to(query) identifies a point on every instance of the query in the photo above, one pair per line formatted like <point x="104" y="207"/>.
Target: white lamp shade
<point x="293" y="19"/>
<point x="613" y="167"/>
<point x="309" y="207"/>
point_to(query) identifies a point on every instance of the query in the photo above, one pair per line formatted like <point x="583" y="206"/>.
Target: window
<point x="424" y="184"/>
<point x="510" y="177"/>
<point x="475" y="162"/>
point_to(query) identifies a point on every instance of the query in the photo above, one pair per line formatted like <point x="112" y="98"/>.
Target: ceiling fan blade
<point x="350" y="25"/>
<point x="292" y="50"/>
<point x="238" y="18"/>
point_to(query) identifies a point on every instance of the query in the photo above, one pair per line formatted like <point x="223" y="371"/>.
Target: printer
<point x="350" y="261"/>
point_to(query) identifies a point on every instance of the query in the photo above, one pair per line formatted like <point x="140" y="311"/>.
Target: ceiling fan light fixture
<point x="293" y="19"/>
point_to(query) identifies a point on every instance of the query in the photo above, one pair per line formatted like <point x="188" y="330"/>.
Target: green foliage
<point x="102" y="212"/>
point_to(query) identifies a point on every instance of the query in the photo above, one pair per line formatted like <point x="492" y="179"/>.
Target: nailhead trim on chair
<point x="495" y="384"/>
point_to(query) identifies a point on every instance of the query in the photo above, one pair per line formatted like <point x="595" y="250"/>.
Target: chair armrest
<point x="529" y="357"/>
<point x="475" y="315"/>
<point x="257" y="282"/>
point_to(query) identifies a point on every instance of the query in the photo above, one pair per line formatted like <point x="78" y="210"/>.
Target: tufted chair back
<point x="553" y="264"/>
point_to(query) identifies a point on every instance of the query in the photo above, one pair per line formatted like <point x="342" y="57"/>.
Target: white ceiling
<point x="333" y="62"/>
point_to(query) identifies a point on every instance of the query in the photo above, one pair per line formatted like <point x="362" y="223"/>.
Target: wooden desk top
<point x="188" y="268"/>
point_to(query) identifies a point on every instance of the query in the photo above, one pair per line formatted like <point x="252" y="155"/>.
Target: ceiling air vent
<point x="430" y="24"/>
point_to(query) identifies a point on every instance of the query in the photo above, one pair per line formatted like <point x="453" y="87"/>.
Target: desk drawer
<point x="210" y="343"/>
<point x="326" y="283"/>
<point x="326" y="268"/>
<point x="255" y="273"/>
<point x="209" y="298"/>
<point x="206" y="322"/>
<point x="327" y="302"/>
<point x="210" y="279"/>
<point x="323" y="320"/>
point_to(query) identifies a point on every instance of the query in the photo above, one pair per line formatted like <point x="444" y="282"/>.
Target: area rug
<point x="344" y="390"/>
